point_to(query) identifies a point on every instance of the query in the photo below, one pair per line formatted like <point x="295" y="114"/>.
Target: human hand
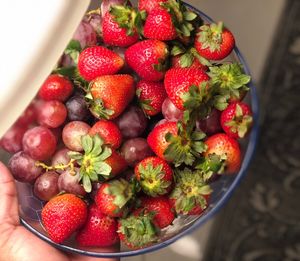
<point x="16" y="242"/>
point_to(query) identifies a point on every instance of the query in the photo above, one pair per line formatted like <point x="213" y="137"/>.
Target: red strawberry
<point x="159" y="25"/>
<point x="117" y="163"/>
<point x="214" y="42"/>
<point x="178" y="82"/>
<point x="63" y="215"/>
<point x="149" y="5"/>
<point x="190" y="194"/>
<point x="138" y="230"/>
<point x="111" y="94"/>
<point x="155" y="176"/>
<point x="227" y="148"/>
<point x="173" y="143"/>
<point x="236" y="119"/>
<point x="151" y="96"/>
<point x="99" y="230"/>
<point x="56" y="87"/>
<point x="113" y="196"/>
<point x="97" y="61"/>
<point x="148" y="59"/>
<point x="180" y="61"/>
<point x="118" y="26"/>
<point x="108" y="131"/>
<point x="162" y="209"/>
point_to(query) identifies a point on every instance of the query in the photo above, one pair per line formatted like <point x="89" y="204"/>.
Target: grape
<point x="72" y="134"/>
<point x="45" y="186"/>
<point x="11" y="141"/>
<point x="211" y="124"/>
<point x="23" y="167"/>
<point x="95" y="188"/>
<point x="52" y="114"/>
<point x="77" y="109"/>
<point x="28" y="116"/>
<point x="57" y="134"/>
<point x="95" y="20"/>
<point x="39" y="143"/>
<point x="70" y="183"/>
<point x="60" y="157"/>
<point x="106" y="4"/>
<point x="135" y="150"/>
<point x="85" y="35"/>
<point x="132" y="123"/>
<point x="170" y="111"/>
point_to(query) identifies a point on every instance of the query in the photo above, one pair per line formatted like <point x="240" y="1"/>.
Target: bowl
<point x="30" y="206"/>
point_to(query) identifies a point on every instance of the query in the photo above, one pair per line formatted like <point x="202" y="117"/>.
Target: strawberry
<point x="151" y="96"/>
<point x="230" y="79"/>
<point x="214" y="42"/>
<point x="163" y="211"/>
<point x="227" y="149"/>
<point x="99" y="230"/>
<point x="155" y="176"/>
<point x="191" y="193"/>
<point x="149" y="5"/>
<point x="63" y="215"/>
<point x="148" y="59"/>
<point x="98" y="160"/>
<point x="97" y="61"/>
<point x="138" y="230"/>
<point x="108" y="131"/>
<point x="159" y="25"/>
<point x="113" y="196"/>
<point x="56" y="87"/>
<point x="110" y="95"/>
<point x="178" y="82"/>
<point x="119" y="26"/>
<point x="175" y="143"/>
<point x="236" y="119"/>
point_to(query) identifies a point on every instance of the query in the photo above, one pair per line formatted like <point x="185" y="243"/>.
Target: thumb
<point x="8" y="198"/>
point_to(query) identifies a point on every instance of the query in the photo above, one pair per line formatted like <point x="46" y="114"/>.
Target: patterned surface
<point x="262" y="220"/>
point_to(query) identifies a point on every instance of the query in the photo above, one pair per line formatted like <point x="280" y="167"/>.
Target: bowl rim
<point x="202" y="219"/>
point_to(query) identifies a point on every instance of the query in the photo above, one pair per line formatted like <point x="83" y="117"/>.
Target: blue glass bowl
<point x="223" y="188"/>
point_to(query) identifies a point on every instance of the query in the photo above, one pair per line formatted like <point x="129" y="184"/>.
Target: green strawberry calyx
<point x="240" y="123"/>
<point x="145" y="104"/>
<point x="97" y="107"/>
<point x="210" y="36"/>
<point x="73" y="49"/>
<point x="152" y="179"/>
<point x="182" y="18"/>
<point x="139" y="231"/>
<point x="230" y="79"/>
<point x="184" y="147"/>
<point x="129" y="18"/>
<point x="122" y="192"/>
<point x="190" y="191"/>
<point x="91" y="162"/>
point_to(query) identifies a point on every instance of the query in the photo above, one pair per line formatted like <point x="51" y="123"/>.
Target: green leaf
<point x="87" y="143"/>
<point x="87" y="183"/>
<point x="189" y="16"/>
<point x="176" y="50"/>
<point x="103" y="168"/>
<point x="106" y="153"/>
<point x="186" y="60"/>
<point x="73" y="50"/>
<point x="75" y="155"/>
<point x="69" y="72"/>
<point x="97" y="145"/>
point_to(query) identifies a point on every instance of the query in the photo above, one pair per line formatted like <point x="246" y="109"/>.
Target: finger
<point x="8" y="195"/>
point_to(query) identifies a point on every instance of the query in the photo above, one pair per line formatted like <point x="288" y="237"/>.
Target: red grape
<point x="170" y="111"/>
<point x="132" y="123"/>
<point x="52" y="114"/>
<point x="23" y="167"/>
<point x="28" y="116"/>
<point x="135" y="150"/>
<point x="211" y="124"/>
<point x="70" y="183"/>
<point x="72" y="134"/>
<point x="60" y="157"/>
<point x="85" y="34"/>
<point x="95" y="20"/>
<point x="39" y="143"/>
<point x="45" y="186"/>
<point x="11" y="141"/>
<point x="77" y="108"/>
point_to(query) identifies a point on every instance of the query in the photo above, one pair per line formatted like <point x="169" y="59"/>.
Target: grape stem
<point x="59" y="166"/>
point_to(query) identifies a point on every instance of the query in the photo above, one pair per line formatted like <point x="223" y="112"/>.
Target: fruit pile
<point x="140" y="116"/>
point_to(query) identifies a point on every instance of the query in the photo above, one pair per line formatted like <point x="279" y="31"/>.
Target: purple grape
<point x="11" y="141"/>
<point x="69" y="182"/>
<point x="45" y="186"/>
<point x="23" y="167"/>
<point x="77" y="109"/>
<point x="132" y="122"/>
<point x="135" y="150"/>
<point x="60" y="157"/>
<point x="170" y="111"/>
<point x="211" y="124"/>
<point x="95" y="20"/>
<point x="85" y="34"/>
